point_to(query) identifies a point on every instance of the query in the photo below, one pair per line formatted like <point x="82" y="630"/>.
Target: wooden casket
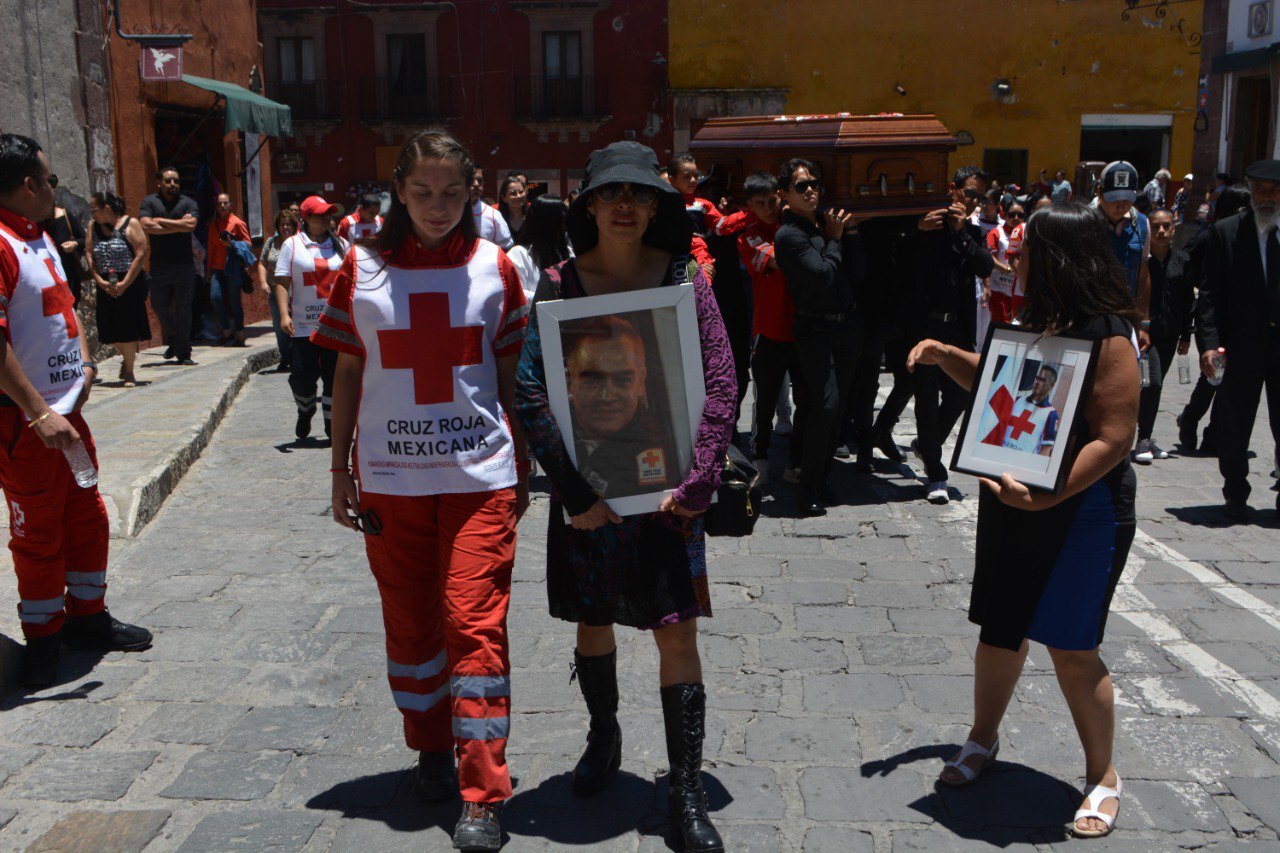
<point x="887" y="164"/>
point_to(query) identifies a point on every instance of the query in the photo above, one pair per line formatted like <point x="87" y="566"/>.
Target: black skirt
<point x="123" y="319"/>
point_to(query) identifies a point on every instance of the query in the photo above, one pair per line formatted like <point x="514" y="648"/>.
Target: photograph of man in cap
<point x="622" y="447"/>
<point x="1239" y="311"/>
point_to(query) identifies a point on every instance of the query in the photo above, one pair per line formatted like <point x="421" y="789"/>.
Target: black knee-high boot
<point x="684" y="711"/>
<point x="598" y="678"/>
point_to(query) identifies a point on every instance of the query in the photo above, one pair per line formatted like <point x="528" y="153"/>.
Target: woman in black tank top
<point x="1048" y="564"/>
<point x="117" y="250"/>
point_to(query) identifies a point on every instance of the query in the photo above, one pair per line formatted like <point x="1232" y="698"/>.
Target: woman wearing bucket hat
<point x="630" y="231"/>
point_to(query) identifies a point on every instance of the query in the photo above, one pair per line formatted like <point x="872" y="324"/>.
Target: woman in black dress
<point x="1047" y="564"/>
<point x="117" y="250"/>
<point x="646" y="571"/>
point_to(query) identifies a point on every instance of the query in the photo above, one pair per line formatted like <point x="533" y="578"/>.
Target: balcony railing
<point x="309" y="99"/>
<point x="562" y="98"/>
<point x="428" y="101"/>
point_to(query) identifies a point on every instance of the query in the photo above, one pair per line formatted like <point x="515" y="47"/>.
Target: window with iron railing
<point x="390" y="99"/>
<point x="541" y="98"/>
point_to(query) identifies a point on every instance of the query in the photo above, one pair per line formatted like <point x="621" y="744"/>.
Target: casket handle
<point x="911" y="183"/>
<point x="884" y="184"/>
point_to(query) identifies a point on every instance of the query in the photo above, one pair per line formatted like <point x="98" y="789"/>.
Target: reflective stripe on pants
<point x="443" y="566"/>
<point x="57" y="530"/>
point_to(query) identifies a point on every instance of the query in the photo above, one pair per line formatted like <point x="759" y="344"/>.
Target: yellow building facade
<point x="1035" y="84"/>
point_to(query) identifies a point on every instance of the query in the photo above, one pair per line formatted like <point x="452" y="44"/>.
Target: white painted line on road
<point x="1142" y="612"/>
<point x="1211" y="579"/>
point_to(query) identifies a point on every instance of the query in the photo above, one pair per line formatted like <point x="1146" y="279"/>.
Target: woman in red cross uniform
<point x="427" y="320"/>
<point x="305" y="270"/>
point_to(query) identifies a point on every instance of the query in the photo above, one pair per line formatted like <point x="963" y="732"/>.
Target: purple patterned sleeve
<point x="717" y="414"/>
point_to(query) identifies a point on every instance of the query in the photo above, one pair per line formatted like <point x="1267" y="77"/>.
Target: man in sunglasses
<point x="820" y="254"/>
<point x="168" y="217"/>
<point x="949" y="254"/>
<point x="58" y="529"/>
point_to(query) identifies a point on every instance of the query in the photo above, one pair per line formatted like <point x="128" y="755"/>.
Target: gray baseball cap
<point x="1118" y="182"/>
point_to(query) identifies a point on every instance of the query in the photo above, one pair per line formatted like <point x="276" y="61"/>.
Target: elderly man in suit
<point x="1239" y="311"/>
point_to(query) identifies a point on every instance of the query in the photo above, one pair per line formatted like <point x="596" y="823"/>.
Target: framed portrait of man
<point x="626" y="386"/>
<point x="1024" y="411"/>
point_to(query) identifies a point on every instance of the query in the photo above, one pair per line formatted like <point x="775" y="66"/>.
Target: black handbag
<point x="738" y="501"/>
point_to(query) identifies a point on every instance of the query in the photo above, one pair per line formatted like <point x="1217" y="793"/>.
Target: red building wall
<point x="480" y="54"/>
<point x="150" y="121"/>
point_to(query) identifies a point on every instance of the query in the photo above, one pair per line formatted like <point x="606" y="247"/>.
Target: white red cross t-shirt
<point x="430" y="326"/>
<point x="1005" y="247"/>
<point x="1032" y="426"/>
<point x="353" y="228"/>
<point x="311" y="268"/>
<point x="37" y="312"/>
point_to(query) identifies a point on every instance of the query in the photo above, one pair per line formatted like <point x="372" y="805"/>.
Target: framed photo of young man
<point x="626" y="387"/>
<point x="1025" y="406"/>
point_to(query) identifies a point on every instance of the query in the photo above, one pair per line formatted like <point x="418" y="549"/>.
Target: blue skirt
<point x="1049" y="576"/>
<point x="1074" y="599"/>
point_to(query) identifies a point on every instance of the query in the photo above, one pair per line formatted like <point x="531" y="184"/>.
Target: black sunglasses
<point x="1014" y="216"/>
<point x="973" y="194"/>
<point x="610" y="193"/>
<point x="804" y="186"/>
<point x="52" y="180"/>
<point x="368" y="522"/>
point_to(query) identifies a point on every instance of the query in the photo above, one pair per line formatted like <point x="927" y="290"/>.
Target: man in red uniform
<point x="57" y="529"/>
<point x="773" y="350"/>
<point x="365" y="222"/>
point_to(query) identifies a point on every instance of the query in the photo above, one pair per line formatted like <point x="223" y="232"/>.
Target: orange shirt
<point x="217" y="250"/>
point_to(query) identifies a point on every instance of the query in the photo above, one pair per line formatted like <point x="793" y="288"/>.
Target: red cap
<point x="316" y="206"/>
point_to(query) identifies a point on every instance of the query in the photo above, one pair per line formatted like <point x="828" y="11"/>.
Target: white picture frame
<point x="1018" y="423"/>
<point x="666" y="320"/>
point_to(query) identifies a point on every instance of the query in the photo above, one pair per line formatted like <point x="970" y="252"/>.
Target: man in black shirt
<point x="820" y="254"/>
<point x="169" y="217"/>
<point x="949" y="253"/>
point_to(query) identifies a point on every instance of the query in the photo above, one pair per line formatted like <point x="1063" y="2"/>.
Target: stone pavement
<point x="838" y="666"/>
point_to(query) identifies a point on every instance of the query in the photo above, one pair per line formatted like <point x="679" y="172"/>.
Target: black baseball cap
<point x="1118" y="182"/>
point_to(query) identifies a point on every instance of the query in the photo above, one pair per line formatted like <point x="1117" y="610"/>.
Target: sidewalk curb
<point x="148" y="493"/>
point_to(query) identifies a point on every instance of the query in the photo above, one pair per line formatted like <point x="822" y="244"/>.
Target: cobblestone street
<point x="838" y="669"/>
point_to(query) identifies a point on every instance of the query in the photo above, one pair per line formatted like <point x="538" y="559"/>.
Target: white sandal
<point x="1088" y="809"/>
<point x="970" y="749"/>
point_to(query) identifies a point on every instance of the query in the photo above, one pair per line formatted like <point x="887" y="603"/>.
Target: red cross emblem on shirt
<point x="430" y="347"/>
<point x="651" y="458"/>
<point x="321" y="278"/>
<point x="1022" y="423"/>
<point x="57" y="300"/>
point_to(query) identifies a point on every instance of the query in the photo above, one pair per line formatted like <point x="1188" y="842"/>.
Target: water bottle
<point x="1219" y="367"/>
<point x="81" y="465"/>
<point x="1144" y="369"/>
<point x="1184" y="369"/>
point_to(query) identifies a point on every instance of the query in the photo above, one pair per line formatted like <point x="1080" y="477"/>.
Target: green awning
<point x="1243" y="60"/>
<point x="247" y="111"/>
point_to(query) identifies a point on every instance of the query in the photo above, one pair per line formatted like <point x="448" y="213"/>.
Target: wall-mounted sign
<point x="291" y="163"/>
<point x="964" y="137"/>
<point x="159" y="64"/>
<point x="1202" y="122"/>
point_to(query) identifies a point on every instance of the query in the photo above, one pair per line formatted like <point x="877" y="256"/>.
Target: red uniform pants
<point x="443" y="565"/>
<point x="57" y="530"/>
<point x="1005" y="308"/>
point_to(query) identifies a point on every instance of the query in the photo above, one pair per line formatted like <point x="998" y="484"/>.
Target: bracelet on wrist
<point x="339" y="470"/>
<point x="35" y="421"/>
<point x="89" y="364"/>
